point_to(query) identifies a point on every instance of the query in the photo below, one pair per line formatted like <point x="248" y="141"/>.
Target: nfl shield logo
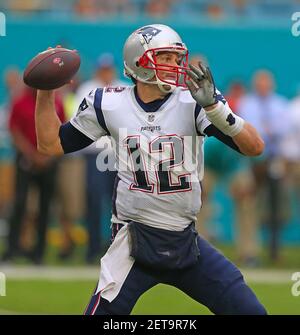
<point x="151" y="117"/>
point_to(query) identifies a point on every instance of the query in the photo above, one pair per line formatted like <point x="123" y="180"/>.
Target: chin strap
<point x="165" y="88"/>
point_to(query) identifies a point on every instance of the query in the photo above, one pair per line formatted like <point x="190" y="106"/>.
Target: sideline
<point x="92" y="273"/>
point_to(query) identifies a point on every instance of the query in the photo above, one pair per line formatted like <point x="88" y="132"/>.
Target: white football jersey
<point x="159" y="154"/>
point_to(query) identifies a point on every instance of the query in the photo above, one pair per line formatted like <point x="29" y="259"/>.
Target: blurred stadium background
<point x="251" y="209"/>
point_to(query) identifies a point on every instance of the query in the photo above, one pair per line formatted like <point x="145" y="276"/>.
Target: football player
<point x="155" y="124"/>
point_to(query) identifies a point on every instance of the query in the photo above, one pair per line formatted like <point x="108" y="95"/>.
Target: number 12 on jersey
<point x="163" y="168"/>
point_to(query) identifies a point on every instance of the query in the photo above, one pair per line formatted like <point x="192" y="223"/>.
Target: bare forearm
<point x="249" y="141"/>
<point x="47" y="124"/>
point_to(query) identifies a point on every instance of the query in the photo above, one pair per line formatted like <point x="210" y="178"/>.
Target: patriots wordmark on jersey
<point x="159" y="153"/>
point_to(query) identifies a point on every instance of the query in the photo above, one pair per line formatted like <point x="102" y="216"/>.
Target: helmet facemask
<point x="174" y="75"/>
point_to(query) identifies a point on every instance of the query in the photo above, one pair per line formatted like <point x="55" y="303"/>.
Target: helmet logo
<point x="148" y="33"/>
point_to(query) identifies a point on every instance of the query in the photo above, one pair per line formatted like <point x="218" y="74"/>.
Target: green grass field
<point x="36" y="295"/>
<point x="70" y="297"/>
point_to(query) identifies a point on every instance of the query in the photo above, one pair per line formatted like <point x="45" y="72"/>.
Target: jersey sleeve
<point x="202" y="121"/>
<point x="71" y="139"/>
<point x="89" y="118"/>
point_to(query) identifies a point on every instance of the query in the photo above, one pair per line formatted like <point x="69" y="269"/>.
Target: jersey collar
<point x="152" y="106"/>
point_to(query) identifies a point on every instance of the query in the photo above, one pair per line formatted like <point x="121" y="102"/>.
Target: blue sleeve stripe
<point x="72" y="139"/>
<point x="196" y="113"/>
<point x="114" y="197"/>
<point x="98" y="109"/>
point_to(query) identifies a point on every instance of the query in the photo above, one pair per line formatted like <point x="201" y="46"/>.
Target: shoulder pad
<point x="113" y="96"/>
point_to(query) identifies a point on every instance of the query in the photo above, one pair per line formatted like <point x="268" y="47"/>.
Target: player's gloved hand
<point x="201" y="85"/>
<point x="203" y="90"/>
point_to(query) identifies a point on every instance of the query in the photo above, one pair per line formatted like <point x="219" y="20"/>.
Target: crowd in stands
<point x="93" y="9"/>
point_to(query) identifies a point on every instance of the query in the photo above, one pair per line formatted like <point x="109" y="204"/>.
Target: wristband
<point x="225" y="120"/>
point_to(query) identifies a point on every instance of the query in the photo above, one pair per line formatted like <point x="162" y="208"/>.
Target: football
<point x="52" y="68"/>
